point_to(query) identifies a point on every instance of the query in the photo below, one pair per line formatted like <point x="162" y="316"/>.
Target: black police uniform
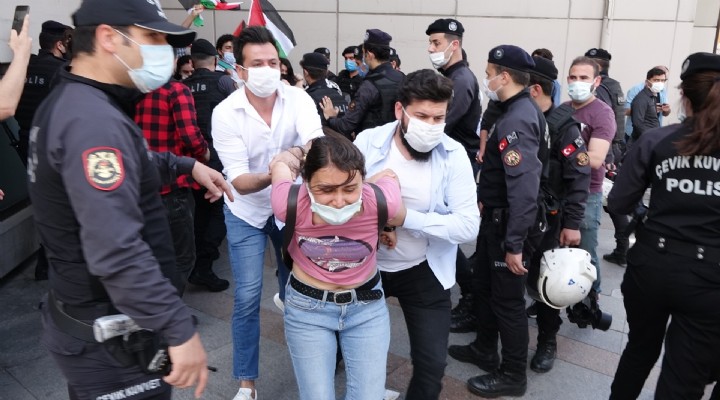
<point x="349" y="85"/>
<point x="565" y="191"/>
<point x="673" y="268"/>
<point x="465" y="110"/>
<point x="374" y="104"/>
<point x="644" y="112"/>
<point x="322" y="88"/>
<point x="509" y="191"/>
<point x="41" y="71"/>
<point x="95" y="186"/>
<point x="611" y="93"/>
<point x="208" y="88"/>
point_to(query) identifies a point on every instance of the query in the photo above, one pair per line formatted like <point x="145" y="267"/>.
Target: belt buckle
<point x="343" y="293"/>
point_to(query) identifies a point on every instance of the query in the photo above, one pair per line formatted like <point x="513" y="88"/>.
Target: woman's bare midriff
<point x="303" y="277"/>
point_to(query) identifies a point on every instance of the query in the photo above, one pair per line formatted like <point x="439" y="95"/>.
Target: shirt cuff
<point x="414" y="220"/>
<point x="185" y="165"/>
<point x="513" y="248"/>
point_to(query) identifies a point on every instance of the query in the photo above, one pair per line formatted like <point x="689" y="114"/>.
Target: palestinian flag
<point x="264" y="14"/>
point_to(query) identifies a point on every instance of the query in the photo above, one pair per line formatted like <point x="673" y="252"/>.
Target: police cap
<point x="54" y="28"/>
<point x="446" y="25"/>
<point x="600" y="54"/>
<point x="350" y="50"/>
<point x="697" y="62"/>
<point x="377" y="37"/>
<point x="322" y="50"/>
<point x="314" y="60"/>
<point x="511" y="56"/>
<point x="202" y="47"/>
<point x="544" y="68"/>
<point x="140" y="13"/>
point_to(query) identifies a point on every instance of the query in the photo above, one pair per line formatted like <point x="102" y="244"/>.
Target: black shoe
<point x="616" y="258"/>
<point x="465" y="324"/>
<point x="532" y="310"/>
<point x="471" y="354"/>
<point x="544" y="357"/>
<point x="498" y="383"/>
<point x="210" y="281"/>
<point x="463" y="308"/>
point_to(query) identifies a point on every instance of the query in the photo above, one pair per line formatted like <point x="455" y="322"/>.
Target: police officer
<point x="349" y="79"/>
<point x="374" y="104"/>
<point x="314" y="68"/>
<point x="673" y="271"/>
<point x="445" y="52"/>
<point x="41" y="70"/>
<point x="209" y="88"/>
<point x="564" y="194"/>
<point x="98" y="210"/>
<point x="326" y="53"/>
<point x="510" y="228"/>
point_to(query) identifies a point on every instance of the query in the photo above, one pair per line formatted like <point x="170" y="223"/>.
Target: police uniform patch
<point x="103" y="168"/>
<point x="685" y="66"/>
<point x="583" y="159"/>
<point x="579" y="142"/>
<point x="367" y="36"/>
<point x="452" y="26"/>
<point x="512" y="137"/>
<point x="499" y="53"/>
<point x="512" y="158"/>
<point x="568" y="150"/>
<point x="503" y="144"/>
<point x="592" y="52"/>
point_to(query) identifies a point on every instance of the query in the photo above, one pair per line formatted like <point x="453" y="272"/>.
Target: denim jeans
<point x="180" y="206"/>
<point x="364" y="328"/>
<point x="246" y="246"/>
<point x="589" y="232"/>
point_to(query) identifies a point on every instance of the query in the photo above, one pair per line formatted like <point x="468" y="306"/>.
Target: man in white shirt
<point x="438" y="190"/>
<point x="249" y="128"/>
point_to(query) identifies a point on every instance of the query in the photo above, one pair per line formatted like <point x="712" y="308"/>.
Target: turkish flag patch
<point x="503" y="144"/>
<point x="568" y="150"/>
<point x="104" y="168"/>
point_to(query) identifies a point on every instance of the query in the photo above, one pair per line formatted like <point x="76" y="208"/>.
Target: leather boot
<point x="544" y="357"/>
<point x="502" y="382"/>
<point x="464" y="306"/>
<point x="619" y="255"/>
<point x="485" y="360"/>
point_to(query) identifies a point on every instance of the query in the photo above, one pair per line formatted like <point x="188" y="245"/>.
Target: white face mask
<point x="332" y="215"/>
<point x="262" y="81"/>
<point x="580" y="91"/>
<point x="157" y="68"/>
<point x="657" y="87"/>
<point x="421" y="136"/>
<point x="438" y="59"/>
<point x="491" y="94"/>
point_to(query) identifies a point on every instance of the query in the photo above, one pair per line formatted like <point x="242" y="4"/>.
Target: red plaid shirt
<point x="168" y="120"/>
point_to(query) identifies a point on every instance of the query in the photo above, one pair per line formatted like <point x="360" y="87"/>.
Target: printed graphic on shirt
<point x="512" y="158"/>
<point x="334" y="253"/>
<point x="583" y="159"/>
<point x="103" y="167"/>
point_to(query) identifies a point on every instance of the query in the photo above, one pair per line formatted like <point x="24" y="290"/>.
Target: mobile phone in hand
<point x="19" y="18"/>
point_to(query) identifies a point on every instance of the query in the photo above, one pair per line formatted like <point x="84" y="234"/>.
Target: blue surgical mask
<point x="229" y="57"/>
<point x="157" y="68"/>
<point x="350" y="65"/>
<point x="332" y="215"/>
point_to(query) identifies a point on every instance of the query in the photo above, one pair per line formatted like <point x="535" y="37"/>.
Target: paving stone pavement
<point x="584" y="369"/>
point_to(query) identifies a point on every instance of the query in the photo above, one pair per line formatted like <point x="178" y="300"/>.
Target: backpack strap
<point x="381" y="207"/>
<point x="289" y="229"/>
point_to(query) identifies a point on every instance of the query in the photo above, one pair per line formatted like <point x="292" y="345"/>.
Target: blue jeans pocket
<point x="300" y="301"/>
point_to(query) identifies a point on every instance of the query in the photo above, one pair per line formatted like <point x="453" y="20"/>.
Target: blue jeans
<point x="246" y="246"/>
<point x="589" y="232"/>
<point x="364" y="328"/>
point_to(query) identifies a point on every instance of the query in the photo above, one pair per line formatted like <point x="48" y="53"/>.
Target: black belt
<point x="73" y="327"/>
<point x="365" y="292"/>
<point x="674" y="246"/>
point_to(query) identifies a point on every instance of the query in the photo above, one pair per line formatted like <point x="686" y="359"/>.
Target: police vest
<point x="40" y="72"/>
<point x="618" y="104"/>
<point x="205" y="91"/>
<point x="387" y="81"/>
<point x="325" y="87"/>
<point x="559" y="120"/>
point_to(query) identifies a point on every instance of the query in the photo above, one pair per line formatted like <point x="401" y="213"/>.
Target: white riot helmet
<point x="606" y="188"/>
<point x="566" y="277"/>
